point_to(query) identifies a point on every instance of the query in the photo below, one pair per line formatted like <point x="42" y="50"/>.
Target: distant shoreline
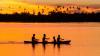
<point x="52" y="17"/>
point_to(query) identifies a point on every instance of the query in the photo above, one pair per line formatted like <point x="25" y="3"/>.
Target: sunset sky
<point x="85" y="2"/>
<point x="82" y="2"/>
<point x="10" y="6"/>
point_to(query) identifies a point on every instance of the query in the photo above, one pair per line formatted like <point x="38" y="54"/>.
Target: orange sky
<point x="10" y="6"/>
<point x="84" y="2"/>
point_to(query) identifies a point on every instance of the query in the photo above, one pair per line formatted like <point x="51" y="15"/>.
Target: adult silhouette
<point x="44" y="38"/>
<point x="54" y="40"/>
<point x="34" y="40"/>
<point x="59" y="39"/>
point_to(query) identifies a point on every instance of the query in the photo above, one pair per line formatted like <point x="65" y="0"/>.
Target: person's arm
<point x="47" y="38"/>
<point x="36" y="39"/>
<point x="61" y="39"/>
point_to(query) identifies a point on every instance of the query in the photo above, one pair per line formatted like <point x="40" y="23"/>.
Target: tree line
<point x="51" y="17"/>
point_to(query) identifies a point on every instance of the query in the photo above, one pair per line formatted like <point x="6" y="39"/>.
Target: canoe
<point x="61" y="42"/>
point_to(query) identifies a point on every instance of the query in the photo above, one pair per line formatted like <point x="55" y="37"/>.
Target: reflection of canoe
<point x="62" y="42"/>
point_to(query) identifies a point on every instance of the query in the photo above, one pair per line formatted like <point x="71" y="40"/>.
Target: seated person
<point x="33" y="39"/>
<point x="54" y="40"/>
<point x="59" y="39"/>
<point x="44" y="39"/>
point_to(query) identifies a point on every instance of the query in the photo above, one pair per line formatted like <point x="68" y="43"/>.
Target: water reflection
<point x="44" y="46"/>
<point x="33" y="46"/>
<point x="58" y="46"/>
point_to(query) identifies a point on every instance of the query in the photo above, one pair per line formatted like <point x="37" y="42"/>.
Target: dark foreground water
<point x="85" y="39"/>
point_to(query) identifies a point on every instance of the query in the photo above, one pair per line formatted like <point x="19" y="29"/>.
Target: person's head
<point x="44" y="35"/>
<point x="53" y="37"/>
<point x="33" y="34"/>
<point x="58" y="36"/>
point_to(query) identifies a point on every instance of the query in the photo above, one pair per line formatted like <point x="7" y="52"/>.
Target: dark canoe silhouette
<point x="61" y="42"/>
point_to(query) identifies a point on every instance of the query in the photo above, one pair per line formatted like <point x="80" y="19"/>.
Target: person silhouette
<point x="54" y="39"/>
<point x="44" y="38"/>
<point x="34" y="40"/>
<point x="58" y="39"/>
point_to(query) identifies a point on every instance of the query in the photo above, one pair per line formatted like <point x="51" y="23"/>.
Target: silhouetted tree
<point x="39" y="13"/>
<point x="43" y="11"/>
<point x="53" y="16"/>
<point x="87" y="7"/>
<point x="78" y="8"/>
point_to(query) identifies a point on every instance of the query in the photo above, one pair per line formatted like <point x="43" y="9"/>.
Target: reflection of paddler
<point x="44" y="38"/>
<point x="33" y="39"/>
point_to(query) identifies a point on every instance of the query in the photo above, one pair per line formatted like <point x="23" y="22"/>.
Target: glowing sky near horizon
<point x="83" y="2"/>
<point x="11" y="6"/>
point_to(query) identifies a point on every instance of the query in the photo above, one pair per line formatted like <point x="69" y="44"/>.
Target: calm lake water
<point x="85" y="39"/>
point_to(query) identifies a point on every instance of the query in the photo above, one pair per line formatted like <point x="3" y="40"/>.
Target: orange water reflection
<point x="85" y="39"/>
